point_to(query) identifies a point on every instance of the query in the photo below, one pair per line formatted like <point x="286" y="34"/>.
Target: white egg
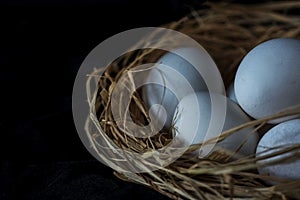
<point x="268" y="78"/>
<point x="284" y="134"/>
<point x="181" y="78"/>
<point x="187" y="115"/>
<point x="230" y="93"/>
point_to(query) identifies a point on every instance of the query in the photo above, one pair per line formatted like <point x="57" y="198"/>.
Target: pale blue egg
<point x="268" y="78"/>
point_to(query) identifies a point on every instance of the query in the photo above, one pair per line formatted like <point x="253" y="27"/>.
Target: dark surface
<point x="42" y="46"/>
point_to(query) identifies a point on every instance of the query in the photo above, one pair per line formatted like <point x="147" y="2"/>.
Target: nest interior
<point x="227" y="31"/>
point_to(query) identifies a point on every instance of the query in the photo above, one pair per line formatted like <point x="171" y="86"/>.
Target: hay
<point x="227" y="32"/>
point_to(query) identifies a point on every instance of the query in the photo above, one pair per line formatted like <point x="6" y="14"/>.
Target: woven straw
<point x="227" y="32"/>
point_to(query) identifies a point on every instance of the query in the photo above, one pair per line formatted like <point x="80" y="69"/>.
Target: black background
<point x="42" y="46"/>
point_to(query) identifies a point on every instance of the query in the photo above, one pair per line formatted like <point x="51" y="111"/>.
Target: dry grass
<point x="227" y="32"/>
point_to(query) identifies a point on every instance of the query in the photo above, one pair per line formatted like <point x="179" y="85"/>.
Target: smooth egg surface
<point x="230" y="93"/>
<point x="187" y="116"/>
<point x="268" y="78"/>
<point x="282" y="135"/>
<point x="174" y="77"/>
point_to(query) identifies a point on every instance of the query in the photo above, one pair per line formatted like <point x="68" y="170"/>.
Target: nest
<point x="227" y="32"/>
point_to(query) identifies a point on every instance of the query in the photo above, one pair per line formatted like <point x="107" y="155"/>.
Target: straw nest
<point x="227" y="32"/>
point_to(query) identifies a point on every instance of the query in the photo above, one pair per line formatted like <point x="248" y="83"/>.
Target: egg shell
<point x="268" y="78"/>
<point x="284" y="134"/>
<point x="178" y="60"/>
<point x="230" y="93"/>
<point x="187" y="115"/>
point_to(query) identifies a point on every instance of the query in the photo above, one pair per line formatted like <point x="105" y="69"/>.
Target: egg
<point x="230" y="93"/>
<point x="284" y="134"/>
<point x="175" y="76"/>
<point x="267" y="80"/>
<point x="187" y="116"/>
